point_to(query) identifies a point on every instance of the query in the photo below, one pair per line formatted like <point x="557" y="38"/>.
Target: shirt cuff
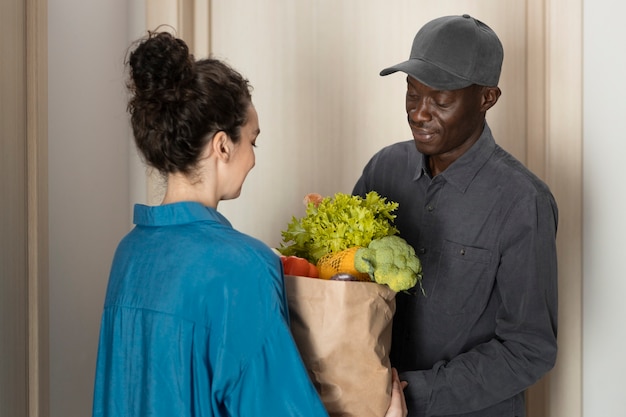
<point x="417" y="393"/>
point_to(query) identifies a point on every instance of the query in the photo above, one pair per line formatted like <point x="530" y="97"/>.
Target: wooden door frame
<point x="564" y="151"/>
<point x="554" y="145"/>
<point x="37" y="206"/>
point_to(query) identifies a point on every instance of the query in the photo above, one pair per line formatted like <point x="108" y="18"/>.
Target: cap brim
<point x="428" y="74"/>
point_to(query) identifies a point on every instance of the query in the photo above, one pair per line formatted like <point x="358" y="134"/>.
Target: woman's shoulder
<point x="249" y="249"/>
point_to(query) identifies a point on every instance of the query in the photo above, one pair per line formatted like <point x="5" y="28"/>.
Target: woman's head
<point x="178" y="104"/>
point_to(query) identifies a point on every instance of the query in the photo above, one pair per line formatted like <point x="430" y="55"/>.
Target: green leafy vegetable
<point x="338" y="223"/>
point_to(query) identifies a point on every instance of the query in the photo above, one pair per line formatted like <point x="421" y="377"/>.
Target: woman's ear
<point x="221" y="146"/>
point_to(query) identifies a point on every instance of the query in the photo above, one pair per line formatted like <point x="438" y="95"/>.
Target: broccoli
<point x="390" y="260"/>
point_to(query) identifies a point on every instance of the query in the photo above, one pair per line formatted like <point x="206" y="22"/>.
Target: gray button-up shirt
<point x="485" y="231"/>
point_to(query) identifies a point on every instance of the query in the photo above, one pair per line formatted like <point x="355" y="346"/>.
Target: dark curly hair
<point x="177" y="104"/>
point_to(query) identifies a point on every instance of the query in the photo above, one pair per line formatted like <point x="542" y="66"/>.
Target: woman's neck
<point x="181" y="187"/>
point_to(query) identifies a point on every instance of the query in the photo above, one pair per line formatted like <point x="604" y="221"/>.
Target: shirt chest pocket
<point x="463" y="284"/>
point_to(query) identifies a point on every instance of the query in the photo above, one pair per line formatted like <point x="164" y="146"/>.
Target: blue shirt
<point x="195" y="323"/>
<point x="485" y="231"/>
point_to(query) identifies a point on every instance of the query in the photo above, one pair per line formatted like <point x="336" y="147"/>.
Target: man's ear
<point x="490" y="97"/>
<point x="221" y="146"/>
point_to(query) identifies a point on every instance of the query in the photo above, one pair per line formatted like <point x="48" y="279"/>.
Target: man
<point x="483" y="226"/>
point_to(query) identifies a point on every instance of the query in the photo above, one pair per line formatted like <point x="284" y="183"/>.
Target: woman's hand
<point x="397" y="406"/>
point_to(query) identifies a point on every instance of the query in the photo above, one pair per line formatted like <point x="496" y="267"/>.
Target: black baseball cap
<point x="454" y="52"/>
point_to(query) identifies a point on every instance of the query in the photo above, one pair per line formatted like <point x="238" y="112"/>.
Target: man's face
<point x="445" y="123"/>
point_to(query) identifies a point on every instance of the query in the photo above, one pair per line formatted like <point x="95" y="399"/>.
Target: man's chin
<point x="425" y="148"/>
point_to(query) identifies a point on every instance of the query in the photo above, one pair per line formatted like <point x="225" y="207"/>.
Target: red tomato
<point x="313" y="272"/>
<point x="294" y="265"/>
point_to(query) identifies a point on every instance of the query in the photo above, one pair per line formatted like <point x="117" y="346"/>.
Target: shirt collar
<point x="176" y="214"/>
<point x="462" y="171"/>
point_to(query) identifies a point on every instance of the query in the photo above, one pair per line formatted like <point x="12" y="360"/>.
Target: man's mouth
<point x="422" y="135"/>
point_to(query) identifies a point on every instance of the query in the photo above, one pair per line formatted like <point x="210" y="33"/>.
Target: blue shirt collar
<point x="175" y="214"/>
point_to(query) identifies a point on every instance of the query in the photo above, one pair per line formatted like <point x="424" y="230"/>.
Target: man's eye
<point x="443" y="103"/>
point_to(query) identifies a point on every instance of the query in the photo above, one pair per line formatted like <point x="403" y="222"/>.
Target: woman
<point x="195" y="321"/>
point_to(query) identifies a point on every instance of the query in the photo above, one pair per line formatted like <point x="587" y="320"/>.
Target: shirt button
<point x="430" y="207"/>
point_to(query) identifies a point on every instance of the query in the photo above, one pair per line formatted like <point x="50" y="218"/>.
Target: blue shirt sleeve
<point x="278" y="364"/>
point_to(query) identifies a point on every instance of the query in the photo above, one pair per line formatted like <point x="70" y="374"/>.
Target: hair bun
<point x="160" y="65"/>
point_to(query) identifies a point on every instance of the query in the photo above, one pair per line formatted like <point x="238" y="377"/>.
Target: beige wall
<point x="88" y="185"/>
<point x="323" y="108"/>
<point x="604" y="341"/>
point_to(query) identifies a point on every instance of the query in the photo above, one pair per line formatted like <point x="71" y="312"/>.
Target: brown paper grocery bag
<point x="343" y="332"/>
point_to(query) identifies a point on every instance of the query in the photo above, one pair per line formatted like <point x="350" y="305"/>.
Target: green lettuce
<point x="338" y="223"/>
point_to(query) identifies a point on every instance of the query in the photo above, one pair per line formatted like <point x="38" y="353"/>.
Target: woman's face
<point x="242" y="158"/>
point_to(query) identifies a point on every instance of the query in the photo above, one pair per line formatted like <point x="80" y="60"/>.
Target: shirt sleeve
<point x="272" y="379"/>
<point x="278" y="364"/>
<point x="524" y="346"/>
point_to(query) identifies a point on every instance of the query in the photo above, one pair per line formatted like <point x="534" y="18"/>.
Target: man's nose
<point x="419" y="112"/>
